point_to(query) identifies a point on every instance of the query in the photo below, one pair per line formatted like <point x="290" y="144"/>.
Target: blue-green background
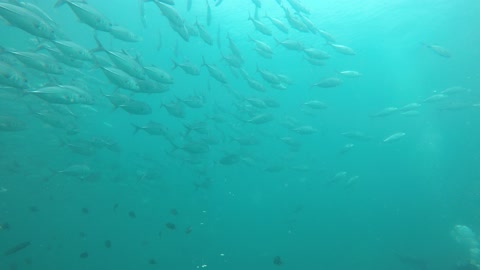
<point x="409" y="196"/>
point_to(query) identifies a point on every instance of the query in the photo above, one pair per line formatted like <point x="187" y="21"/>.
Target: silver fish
<point x="124" y="34"/>
<point x="158" y="74"/>
<point x="88" y="15"/>
<point x="188" y="67"/>
<point x="328" y="83"/>
<point x="394" y="137"/>
<point x="120" y="78"/>
<point x="72" y="49"/>
<point x="136" y="107"/>
<point x="259" y="26"/>
<point x="215" y="72"/>
<point x="27" y="21"/>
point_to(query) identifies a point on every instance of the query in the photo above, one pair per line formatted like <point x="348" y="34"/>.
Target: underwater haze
<point x="228" y="134"/>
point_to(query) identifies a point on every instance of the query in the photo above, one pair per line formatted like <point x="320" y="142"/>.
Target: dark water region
<point x="224" y="134"/>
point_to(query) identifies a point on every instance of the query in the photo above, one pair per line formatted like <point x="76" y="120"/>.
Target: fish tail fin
<point x="175" y="147"/>
<point x="250" y="16"/>
<point x="175" y="64"/>
<point x="276" y="41"/>
<point x="60" y="3"/>
<point x="136" y="128"/>
<point x="203" y="61"/>
<point x="99" y="47"/>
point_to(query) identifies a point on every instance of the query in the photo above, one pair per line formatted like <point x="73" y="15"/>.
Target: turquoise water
<point x="234" y="192"/>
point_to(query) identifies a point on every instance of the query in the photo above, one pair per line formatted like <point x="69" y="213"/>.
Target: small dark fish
<point x="174" y="211"/>
<point x="33" y="209"/>
<point x="85" y="211"/>
<point x="84" y="255"/>
<point x="188" y="230"/>
<point x="17" y="248"/>
<point x="152" y="261"/>
<point x="5" y="226"/>
<point x="132" y="214"/>
<point x="328" y="83"/>
<point x="209" y="14"/>
<point x="108" y="243"/>
<point x="277" y="260"/>
<point x="170" y="226"/>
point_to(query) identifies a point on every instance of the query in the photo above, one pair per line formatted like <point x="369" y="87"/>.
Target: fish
<point x="175" y="109"/>
<point x="194" y="148"/>
<point x="233" y="60"/>
<point x="27" y="21"/>
<point x="410" y="113"/>
<point x="63" y="94"/>
<point x="108" y="243"/>
<point x="278" y="24"/>
<point x="298" y="6"/>
<point x="316" y="53"/>
<point x="136" y="107"/>
<point x="189" y="5"/>
<point x="204" y="35"/>
<point x="11" y="77"/>
<point x="124" y="34"/>
<point x="328" y="83"/>
<point x="410" y="106"/>
<point x="209" y="13"/>
<point x="254" y="84"/>
<point x="229" y="159"/>
<point x="327" y="36"/>
<point x="305" y="130"/>
<point x="356" y="135"/>
<point x="72" y="49"/>
<point x="170" y="12"/>
<point x="11" y="124"/>
<point x="260" y="118"/>
<point x="315" y="104"/>
<point x="342" y="49"/>
<point x="39" y="61"/>
<point x="385" y="112"/>
<point x="435" y="98"/>
<point x="158" y="75"/>
<point x="194" y="102"/>
<point x="117" y="99"/>
<point x="259" y="26"/>
<point x="151" y="87"/>
<point x="188" y="67"/>
<point x="17" y="248"/>
<point x="394" y="137"/>
<point x="315" y="62"/>
<point x="454" y="90"/>
<point x="122" y="60"/>
<point x="81" y="171"/>
<point x="346" y="148"/>
<point x="439" y="50"/>
<point x="152" y="128"/>
<point x="88" y="15"/>
<point x="233" y="47"/>
<point x="290" y="44"/>
<point x="269" y="76"/>
<point x="215" y="72"/>
<point x="120" y="78"/>
<point x="183" y="30"/>
<point x="294" y="21"/>
<point x="350" y="73"/>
